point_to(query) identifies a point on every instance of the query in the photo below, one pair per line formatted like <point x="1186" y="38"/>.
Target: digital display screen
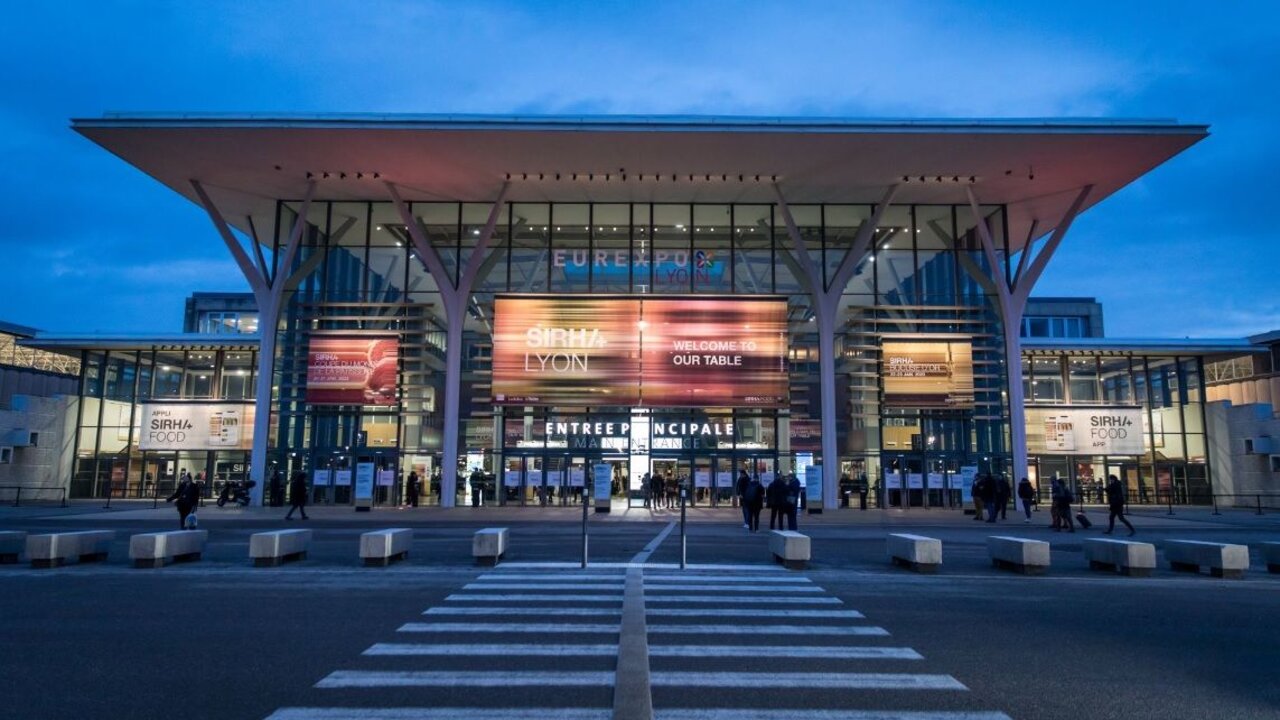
<point x="927" y="375"/>
<point x="667" y="352"/>
<point x="353" y="370"/>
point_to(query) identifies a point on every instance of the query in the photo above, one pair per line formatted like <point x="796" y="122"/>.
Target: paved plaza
<point x="731" y="636"/>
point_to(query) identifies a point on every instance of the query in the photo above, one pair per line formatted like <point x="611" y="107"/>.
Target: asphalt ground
<point x="221" y="639"/>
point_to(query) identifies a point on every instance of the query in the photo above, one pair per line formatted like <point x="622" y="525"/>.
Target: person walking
<point x="1115" y="502"/>
<point x="979" y="483"/>
<point x="1003" y="492"/>
<point x="1026" y="494"/>
<point x="791" y="500"/>
<point x="412" y="489"/>
<point x="775" y="496"/>
<point x="989" y="497"/>
<point x="743" y="483"/>
<point x="277" y="489"/>
<point x="753" y="500"/>
<point x="297" y="495"/>
<point x="1062" y="503"/>
<point x="187" y="496"/>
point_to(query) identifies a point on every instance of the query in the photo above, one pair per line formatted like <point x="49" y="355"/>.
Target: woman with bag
<point x="188" y="497"/>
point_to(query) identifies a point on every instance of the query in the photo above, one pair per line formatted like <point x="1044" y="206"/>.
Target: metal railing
<point x="1250" y="501"/>
<point x="59" y="495"/>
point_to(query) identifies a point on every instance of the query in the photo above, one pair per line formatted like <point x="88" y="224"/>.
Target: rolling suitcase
<point x="1084" y="521"/>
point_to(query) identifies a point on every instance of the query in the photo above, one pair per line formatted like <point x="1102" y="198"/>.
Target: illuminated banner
<point x="352" y="370"/>
<point x="556" y="351"/>
<point x="1084" y="431"/>
<point x="927" y="375"/>
<point x="714" y="352"/>
<point x="692" y="352"/>
<point x="196" y="426"/>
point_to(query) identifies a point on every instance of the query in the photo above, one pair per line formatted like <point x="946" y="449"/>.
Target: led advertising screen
<point x="559" y="351"/>
<point x="671" y="352"/>
<point x="714" y="352"/>
<point x="352" y="370"/>
<point x="927" y="375"/>
<point x="196" y="426"/>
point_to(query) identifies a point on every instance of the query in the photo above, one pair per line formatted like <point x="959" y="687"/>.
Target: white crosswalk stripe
<point x="430" y="649"/>
<point x="461" y="627"/>
<point x="567" y="598"/>
<point x="831" y="680"/>
<point x="467" y="678"/>
<point x="737" y="588"/>
<point x="741" y="599"/>
<point x="713" y="613"/>
<point x="782" y="579"/>
<point x="788" y="651"/>
<point x="533" y="611"/>
<point x="863" y="630"/>
<point x="440" y="713"/>
<point x="541" y="586"/>
<point x="748" y="714"/>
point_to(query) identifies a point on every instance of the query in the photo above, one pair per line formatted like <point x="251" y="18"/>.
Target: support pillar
<point x="268" y="292"/>
<point x="454" y="297"/>
<point x="1011" y="301"/>
<point x="825" y="302"/>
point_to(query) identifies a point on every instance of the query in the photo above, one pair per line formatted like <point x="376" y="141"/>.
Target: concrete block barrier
<point x="54" y="549"/>
<point x="1126" y="557"/>
<point x="12" y="543"/>
<point x="789" y="548"/>
<point x="489" y="545"/>
<point x="153" y="550"/>
<point x="268" y="549"/>
<point x="1029" y="557"/>
<point x="383" y="547"/>
<point x="1271" y="556"/>
<point x="920" y="553"/>
<point x="1223" y="560"/>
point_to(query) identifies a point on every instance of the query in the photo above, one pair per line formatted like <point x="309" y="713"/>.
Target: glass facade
<point x="1168" y="391"/>
<point x="357" y="273"/>
<point x="114" y="386"/>
<point x="924" y="281"/>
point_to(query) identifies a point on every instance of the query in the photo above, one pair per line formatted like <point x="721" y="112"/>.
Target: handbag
<point x="191" y="522"/>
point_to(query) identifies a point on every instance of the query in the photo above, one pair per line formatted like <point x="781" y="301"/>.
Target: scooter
<point x="235" y="492"/>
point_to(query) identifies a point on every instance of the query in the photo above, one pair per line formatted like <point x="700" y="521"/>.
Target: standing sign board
<point x="364" y="485"/>
<point x="813" y="488"/>
<point x="602" y="486"/>
<point x="967" y="475"/>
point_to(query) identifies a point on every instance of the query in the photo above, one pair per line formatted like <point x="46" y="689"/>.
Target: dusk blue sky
<point x="1190" y="250"/>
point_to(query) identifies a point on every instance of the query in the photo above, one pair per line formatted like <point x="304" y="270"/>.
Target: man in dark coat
<point x="1003" y="491"/>
<point x="776" y="496"/>
<point x="277" y="489"/>
<point x="297" y="495"/>
<point x="743" y="482"/>
<point x="187" y="496"/>
<point x="791" y="500"/>
<point x="753" y="501"/>
<point x="1115" y="502"/>
<point x="411" y="489"/>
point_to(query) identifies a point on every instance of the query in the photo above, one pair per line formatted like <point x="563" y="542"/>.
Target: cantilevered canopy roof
<point x="1034" y="166"/>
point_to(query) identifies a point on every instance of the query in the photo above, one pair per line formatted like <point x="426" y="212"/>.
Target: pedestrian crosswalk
<point x="763" y="644"/>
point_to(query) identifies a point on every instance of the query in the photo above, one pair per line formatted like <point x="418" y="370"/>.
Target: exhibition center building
<point x="550" y="299"/>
